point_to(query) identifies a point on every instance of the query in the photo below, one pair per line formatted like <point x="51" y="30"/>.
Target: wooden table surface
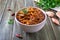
<point x="8" y="31"/>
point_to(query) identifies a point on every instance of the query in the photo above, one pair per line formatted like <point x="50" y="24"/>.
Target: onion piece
<point x="58" y="14"/>
<point x="50" y="13"/>
<point x="54" y="20"/>
<point x="19" y="36"/>
<point x="21" y="14"/>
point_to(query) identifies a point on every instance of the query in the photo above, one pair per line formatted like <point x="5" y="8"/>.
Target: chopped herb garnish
<point x="10" y="21"/>
<point x="25" y="11"/>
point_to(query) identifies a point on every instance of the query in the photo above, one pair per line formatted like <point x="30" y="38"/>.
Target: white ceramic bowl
<point x="32" y="28"/>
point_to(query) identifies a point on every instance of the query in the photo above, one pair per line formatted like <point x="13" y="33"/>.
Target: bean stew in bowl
<point x="31" y="16"/>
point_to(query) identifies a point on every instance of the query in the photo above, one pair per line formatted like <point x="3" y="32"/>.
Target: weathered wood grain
<point x="8" y="32"/>
<point x="5" y="28"/>
<point x="3" y="4"/>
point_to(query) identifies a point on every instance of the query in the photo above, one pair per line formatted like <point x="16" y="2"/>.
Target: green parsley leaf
<point x="25" y="11"/>
<point x="10" y="21"/>
<point x="47" y="4"/>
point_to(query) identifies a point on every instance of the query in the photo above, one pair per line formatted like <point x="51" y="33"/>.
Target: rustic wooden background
<point x="8" y="31"/>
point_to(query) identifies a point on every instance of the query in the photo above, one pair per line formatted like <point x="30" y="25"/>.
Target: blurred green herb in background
<point x="47" y="4"/>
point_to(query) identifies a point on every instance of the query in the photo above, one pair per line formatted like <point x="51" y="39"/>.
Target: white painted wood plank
<point x="6" y="29"/>
<point x="3" y="4"/>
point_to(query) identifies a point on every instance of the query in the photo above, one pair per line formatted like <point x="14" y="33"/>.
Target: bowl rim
<point x="33" y="24"/>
